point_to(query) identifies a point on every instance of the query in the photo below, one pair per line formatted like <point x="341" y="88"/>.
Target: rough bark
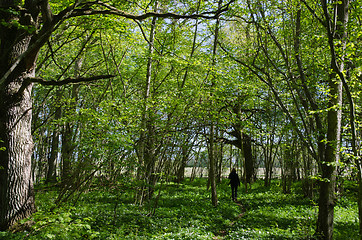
<point x="16" y="188"/>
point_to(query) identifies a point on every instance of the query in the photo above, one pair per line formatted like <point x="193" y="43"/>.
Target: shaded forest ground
<point x="185" y="212"/>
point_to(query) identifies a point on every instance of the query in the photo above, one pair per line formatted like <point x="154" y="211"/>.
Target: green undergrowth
<point x="184" y="211"/>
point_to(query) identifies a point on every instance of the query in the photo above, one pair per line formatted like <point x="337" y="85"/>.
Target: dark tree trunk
<point x="68" y="137"/>
<point x="220" y="162"/>
<point x="335" y="31"/>
<point x="328" y="167"/>
<point x="212" y="167"/>
<point x="52" y="174"/>
<point x="181" y="168"/>
<point x="67" y="153"/>
<point x="249" y="163"/>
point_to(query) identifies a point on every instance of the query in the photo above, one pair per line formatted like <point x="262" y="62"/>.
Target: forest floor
<point x="184" y="211"/>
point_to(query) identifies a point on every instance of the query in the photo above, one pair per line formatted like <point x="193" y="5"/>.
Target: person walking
<point x="234" y="183"/>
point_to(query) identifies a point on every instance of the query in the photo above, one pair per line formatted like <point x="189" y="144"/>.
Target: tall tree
<point x="336" y="29"/>
<point x="211" y="145"/>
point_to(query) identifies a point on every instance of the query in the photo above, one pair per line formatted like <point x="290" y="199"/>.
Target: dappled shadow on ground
<point x="270" y="214"/>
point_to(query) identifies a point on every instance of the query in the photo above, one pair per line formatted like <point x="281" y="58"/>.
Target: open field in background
<point x="203" y="172"/>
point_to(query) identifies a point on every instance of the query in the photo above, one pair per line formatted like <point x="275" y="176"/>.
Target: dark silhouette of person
<point x="234" y="183"/>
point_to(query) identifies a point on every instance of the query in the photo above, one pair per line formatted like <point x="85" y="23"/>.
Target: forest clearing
<point x="126" y="119"/>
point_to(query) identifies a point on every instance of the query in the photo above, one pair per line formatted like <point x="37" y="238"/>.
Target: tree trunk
<point x="181" y="168"/>
<point x="68" y="135"/>
<point x="307" y="182"/>
<point x="16" y="188"/>
<point x="196" y="163"/>
<point x="335" y="31"/>
<point x="16" y="183"/>
<point x="212" y="167"/>
<point x="146" y="142"/>
<point x="68" y="139"/>
<point x="249" y="163"/>
<point x="287" y="170"/>
<point x="212" y="158"/>
<point x="328" y="167"/>
<point x="220" y="163"/>
<point x="52" y="173"/>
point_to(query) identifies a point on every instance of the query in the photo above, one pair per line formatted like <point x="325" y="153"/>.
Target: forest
<point x="122" y="119"/>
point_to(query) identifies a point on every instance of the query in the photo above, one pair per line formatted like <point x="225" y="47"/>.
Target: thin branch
<point x="313" y="12"/>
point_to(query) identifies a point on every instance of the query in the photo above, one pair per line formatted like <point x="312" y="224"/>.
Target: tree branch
<point x="67" y="80"/>
<point x="87" y="10"/>
<point x="313" y="12"/>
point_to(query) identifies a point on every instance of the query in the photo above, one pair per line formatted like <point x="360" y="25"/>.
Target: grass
<point x="185" y="212"/>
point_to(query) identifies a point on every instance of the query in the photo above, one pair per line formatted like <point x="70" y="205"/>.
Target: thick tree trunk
<point x="16" y="188"/>
<point x="16" y="144"/>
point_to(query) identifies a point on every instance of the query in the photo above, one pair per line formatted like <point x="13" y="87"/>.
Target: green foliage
<point x="185" y="212"/>
<point x="2" y="148"/>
